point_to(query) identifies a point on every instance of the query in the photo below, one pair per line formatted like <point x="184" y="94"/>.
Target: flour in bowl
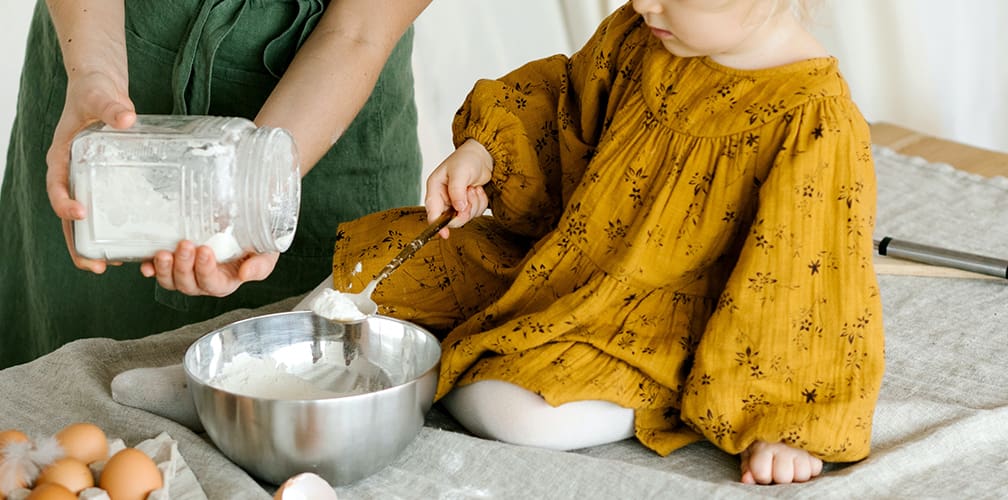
<point x="265" y="378"/>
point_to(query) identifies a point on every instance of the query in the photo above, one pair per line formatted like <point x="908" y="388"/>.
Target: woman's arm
<point x="333" y="73"/>
<point x="318" y="97"/>
<point x="93" y="42"/>
<point x="92" y="37"/>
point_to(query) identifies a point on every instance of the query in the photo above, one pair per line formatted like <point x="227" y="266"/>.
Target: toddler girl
<point x="679" y="246"/>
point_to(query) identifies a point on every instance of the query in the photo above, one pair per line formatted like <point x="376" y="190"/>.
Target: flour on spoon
<point x="334" y="305"/>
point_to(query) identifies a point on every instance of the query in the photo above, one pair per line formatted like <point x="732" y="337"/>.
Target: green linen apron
<point x="216" y="57"/>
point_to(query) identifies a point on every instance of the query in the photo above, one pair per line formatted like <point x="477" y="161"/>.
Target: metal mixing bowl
<point x="392" y="363"/>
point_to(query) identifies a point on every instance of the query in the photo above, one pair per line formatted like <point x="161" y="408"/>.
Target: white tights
<point x="503" y="411"/>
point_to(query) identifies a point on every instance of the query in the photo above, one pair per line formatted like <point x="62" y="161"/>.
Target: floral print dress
<point x="672" y="235"/>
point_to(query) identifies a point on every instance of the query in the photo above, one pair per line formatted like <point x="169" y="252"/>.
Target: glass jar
<point x="215" y="181"/>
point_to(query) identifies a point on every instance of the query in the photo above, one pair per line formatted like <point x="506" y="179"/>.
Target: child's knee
<point x="503" y="411"/>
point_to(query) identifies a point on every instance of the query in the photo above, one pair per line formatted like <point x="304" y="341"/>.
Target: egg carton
<point x="179" y="482"/>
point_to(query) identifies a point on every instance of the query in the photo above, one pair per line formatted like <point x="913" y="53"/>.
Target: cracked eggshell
<point x="304" y="486"/>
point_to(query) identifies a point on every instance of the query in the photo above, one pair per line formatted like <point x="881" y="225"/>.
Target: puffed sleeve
<point x="794" y="349"/>
<point x="541" y="123"/>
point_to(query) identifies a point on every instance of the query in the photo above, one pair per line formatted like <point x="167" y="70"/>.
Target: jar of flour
<point x="215" y="181"/>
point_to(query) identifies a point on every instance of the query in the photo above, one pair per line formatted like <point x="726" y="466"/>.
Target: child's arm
<point x="541" y="122"/>
<point x="794" y="350"/>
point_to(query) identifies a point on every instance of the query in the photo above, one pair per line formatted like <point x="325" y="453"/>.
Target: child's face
<point x="689" y="28"/>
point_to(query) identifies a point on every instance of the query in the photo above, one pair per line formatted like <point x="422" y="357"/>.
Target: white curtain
<point x="461" y="41"/>
<point x="937" y="66"/>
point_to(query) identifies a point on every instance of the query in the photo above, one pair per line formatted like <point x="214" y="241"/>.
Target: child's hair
<point x="801" y="9"/>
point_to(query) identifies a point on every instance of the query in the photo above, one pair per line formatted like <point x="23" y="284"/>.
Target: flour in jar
<point x="224" y="245"/>
<point x="215" y="181"/>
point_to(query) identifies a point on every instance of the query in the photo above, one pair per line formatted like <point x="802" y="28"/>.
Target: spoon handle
<point x="414" y="245"/>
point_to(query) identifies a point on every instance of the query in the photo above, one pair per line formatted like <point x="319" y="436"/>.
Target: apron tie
<point x="193" y="73"/>
<point x="280" y="51"/>
<point x="191" y="78"/>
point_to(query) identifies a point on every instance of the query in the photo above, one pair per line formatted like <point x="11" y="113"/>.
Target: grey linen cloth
<point x="941" y="425"/>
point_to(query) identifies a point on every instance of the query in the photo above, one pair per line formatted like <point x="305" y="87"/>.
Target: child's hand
<point x="767" y="463"/>
<point x="458" y="181"/>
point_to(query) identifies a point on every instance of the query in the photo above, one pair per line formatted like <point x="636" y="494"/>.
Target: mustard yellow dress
<point x="678" y="237"/>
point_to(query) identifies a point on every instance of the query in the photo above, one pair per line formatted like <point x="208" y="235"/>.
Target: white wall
<point x="937" y="66"/>
<point x="460" y="41"/>
<point x="13" y="34"/>
<point x="933" y="65"/>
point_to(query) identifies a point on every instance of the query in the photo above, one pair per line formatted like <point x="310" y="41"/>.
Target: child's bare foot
<point x="766" y="463"/>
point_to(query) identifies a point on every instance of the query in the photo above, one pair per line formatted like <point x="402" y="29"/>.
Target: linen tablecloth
<point x="940" y="430"/>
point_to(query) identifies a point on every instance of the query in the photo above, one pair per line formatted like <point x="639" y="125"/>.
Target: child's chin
<point x="680" y="51"/>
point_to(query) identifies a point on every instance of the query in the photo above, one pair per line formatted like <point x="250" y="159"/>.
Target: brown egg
<point x="17" y="476"/>
<point x="83" y="441"/>
<point x="130" y="475"/>
<point x="68" y="472"/>
<point x="50" y="491"/>
<point x="12" y="436"/>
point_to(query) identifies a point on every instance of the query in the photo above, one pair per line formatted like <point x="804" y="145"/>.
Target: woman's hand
<point x="93" y="43"/>
<point x="90" y="98"/>
<point x="458" y="181"/>
<point x="194" y="270"/>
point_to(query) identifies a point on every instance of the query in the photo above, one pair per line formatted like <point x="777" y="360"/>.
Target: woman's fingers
<point x="162" y="263"/>
<point x="58" y="178"/>
<point x="195" y="271"/>
<point x="118" y="115"/>
<point x="95" y="266"/>
<point x="183" y="274"/>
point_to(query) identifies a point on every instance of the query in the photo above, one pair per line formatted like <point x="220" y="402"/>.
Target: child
<point x="679" y="247"/>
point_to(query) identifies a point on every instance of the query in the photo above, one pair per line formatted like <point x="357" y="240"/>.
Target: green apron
<point x="216" y="57"/>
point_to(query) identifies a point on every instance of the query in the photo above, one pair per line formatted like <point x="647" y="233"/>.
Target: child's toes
<point x="747" y="477"/>
<point x="802" y="469"/>
<point x="783" y="470"/>
<point x="761" y="467"/>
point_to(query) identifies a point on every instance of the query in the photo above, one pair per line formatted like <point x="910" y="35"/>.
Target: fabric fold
<point x="194" y="64"/>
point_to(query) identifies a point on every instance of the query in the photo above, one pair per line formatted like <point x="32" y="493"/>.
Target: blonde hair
<point x="800" y="9"/>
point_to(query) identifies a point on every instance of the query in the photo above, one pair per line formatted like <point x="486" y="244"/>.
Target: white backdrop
<point x="938" y="66"/>
<point x="13" y="32"/>
<point x="934" y="65"/>
<point x="460" y="41"/>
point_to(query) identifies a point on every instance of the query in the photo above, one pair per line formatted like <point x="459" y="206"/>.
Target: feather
<point x="17" y="470"/>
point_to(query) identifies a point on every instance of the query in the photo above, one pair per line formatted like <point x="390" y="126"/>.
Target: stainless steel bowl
<point x="343" y="437"/>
